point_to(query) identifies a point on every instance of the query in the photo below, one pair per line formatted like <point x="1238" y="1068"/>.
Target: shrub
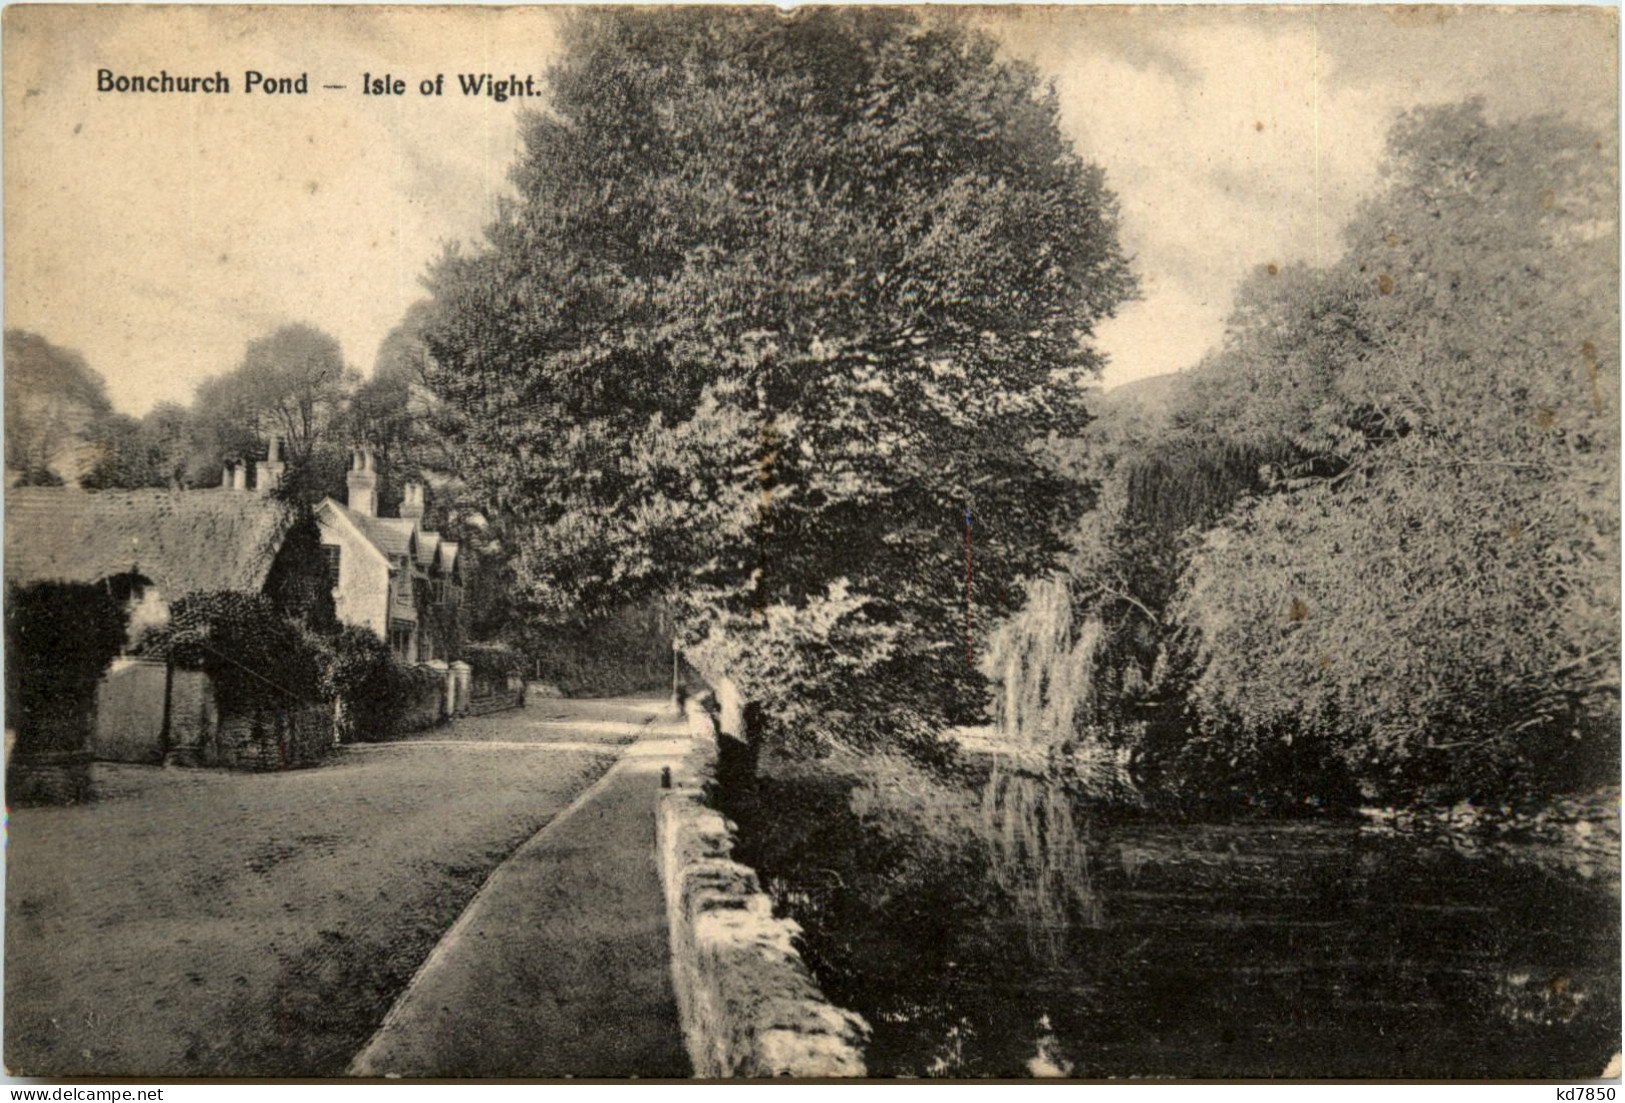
<point x="60" y="636"/>
<point x="493" y="663"/>
<point x="622" y="652"/>
<point x="375" y="692"/>
<point x="255" y="657"/>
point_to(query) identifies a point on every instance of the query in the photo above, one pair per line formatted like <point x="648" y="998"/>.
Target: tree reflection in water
<point x="1038" y="855"/>
<point x="990" y="924"/>
<point x="914" y="888"/>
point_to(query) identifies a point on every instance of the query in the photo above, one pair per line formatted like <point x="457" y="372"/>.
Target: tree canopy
<point x="54" y="404"/>
<point x="1377" y="537"/>
<point x="782" y="304"/>
<point x="292" y="383"/>
<point x="1436" y="596"/>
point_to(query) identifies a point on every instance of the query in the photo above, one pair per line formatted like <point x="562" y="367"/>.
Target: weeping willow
<point x="1038" y="854"/>
<point x="1080" y="652"/>
<point x="1044" y="665"/>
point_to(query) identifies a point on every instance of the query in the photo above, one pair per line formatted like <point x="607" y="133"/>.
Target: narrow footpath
<point x="560" y="966"/>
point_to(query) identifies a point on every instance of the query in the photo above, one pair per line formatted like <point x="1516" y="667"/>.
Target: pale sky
<point x="159" y="234"/>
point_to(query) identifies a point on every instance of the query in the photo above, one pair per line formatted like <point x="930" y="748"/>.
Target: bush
<point x="60" y="636"/>
<point x="375" y="692"/>
<point x="493" y="663"/>
<point x="623" y="652"/>
<point x="255" y="657"/>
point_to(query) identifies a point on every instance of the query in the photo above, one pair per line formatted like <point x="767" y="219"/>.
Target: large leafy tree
<point x="1432" y="597"/>
<point x="780" y="300"/>
<point x="292" y="383"/>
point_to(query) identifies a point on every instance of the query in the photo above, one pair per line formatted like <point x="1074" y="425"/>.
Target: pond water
<point x="995" y="926"/>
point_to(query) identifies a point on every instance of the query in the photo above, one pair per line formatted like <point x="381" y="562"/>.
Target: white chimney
<point x="363" y="483"/>
<point x="239" y="476"/>
<point x="270" y="472"/>
<point x="412" y="504"/>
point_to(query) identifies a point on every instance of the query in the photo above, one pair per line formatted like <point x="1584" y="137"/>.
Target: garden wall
<point x="259" y="739"/>
<point x="426" y="708"/>
<point x="271" y="739"/>
<point x="496" y="701"/>
<point x="749" y="1006"/>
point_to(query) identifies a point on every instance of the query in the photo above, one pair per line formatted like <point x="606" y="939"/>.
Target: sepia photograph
<point x="822" y="542"/>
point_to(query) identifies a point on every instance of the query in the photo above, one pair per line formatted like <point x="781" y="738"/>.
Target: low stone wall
<point x="51" y="777"/>
<point x="426" y="709"/>
<point x="271" y="739"/>
<point x="748" y="1004"/>
<point x="202" y="734"/>
<point x="499" y="701"/>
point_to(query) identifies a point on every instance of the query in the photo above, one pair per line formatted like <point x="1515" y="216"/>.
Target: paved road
<point x="560" y="966"/>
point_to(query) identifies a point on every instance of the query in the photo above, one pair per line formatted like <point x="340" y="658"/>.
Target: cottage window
<point x="400" y="638"/>
<point x="330" y="552"/>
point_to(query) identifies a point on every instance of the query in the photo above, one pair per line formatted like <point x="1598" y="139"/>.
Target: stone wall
<point x="271" y="739"/>
<point x="748" y="1004"/>
<point x="426" y="709"/>
<point x="192" y="712"/>
<point x="48" y="777"/>
<point x="200" y="734"/>
<point x="496" y="701"/>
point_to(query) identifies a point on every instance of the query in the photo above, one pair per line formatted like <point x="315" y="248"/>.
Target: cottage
<point x="388" y="573"/>
<point x="150" y="547"/>
<point x="157" y="544"/>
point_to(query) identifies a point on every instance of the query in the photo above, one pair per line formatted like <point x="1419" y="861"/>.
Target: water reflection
<point x="995" y="926"/>
<point x="1038" y="855"/>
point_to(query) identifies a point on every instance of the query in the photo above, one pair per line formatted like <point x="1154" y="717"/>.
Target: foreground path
<point x="560" y="966"/>
<point x="205" y="923"/>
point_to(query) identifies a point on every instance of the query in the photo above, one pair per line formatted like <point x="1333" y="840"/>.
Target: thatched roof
<point x="181" y="540"/>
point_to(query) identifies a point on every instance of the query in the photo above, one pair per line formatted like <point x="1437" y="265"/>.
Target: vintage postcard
<point x="712" y="542"/>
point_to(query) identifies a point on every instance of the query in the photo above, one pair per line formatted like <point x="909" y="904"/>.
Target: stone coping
<point x="748" y="1004"/>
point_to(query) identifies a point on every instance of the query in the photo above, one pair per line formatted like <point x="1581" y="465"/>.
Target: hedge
<point x="358" y="669"/>
<point x="60" y="638"/>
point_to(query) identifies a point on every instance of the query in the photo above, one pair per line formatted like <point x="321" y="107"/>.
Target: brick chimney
<point x="268" y="475"/>
<point x="363" y="482"/>
<point x="412" y="504"/>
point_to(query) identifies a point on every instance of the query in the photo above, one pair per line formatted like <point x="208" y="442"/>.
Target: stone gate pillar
<point x="463" y="683"/>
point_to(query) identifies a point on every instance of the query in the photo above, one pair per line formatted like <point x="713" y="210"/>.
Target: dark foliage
<point x="60" y="637"/>
<point x="297" y="584"/>
<point x="627" y="651"/>
<point x="255" y="656"/>
<point x="374" y="689"/>
<point x="493" y="663"/>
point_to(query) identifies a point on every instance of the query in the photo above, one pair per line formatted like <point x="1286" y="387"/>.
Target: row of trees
<point x="292" y="383"/>
<point x="1373" y="545"/>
